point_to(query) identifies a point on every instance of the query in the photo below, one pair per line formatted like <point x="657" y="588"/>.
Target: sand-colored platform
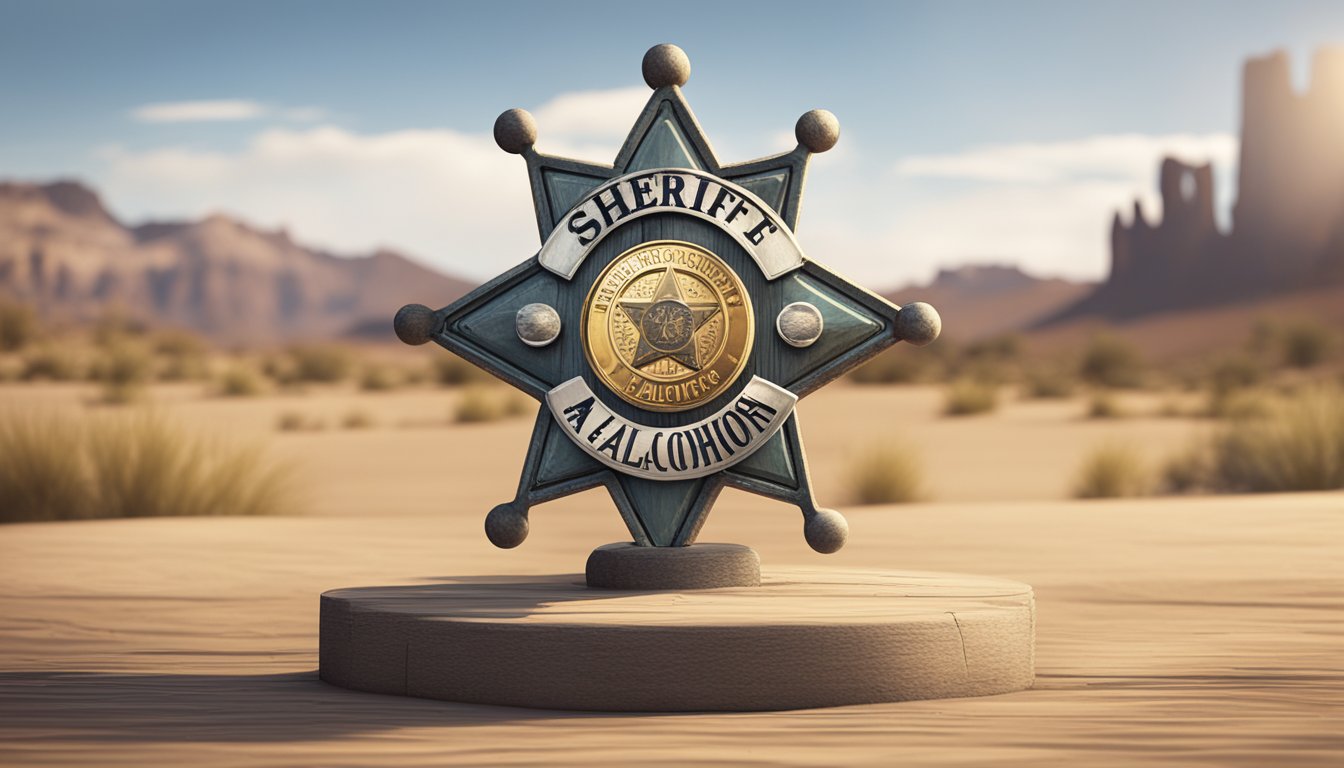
<point x="803" y="638"/>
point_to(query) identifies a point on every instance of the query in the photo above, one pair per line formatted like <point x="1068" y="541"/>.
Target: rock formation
<point x="1287" y="228"/>
<point x="63" y="252"/>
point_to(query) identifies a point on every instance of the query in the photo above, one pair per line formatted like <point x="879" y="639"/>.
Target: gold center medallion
<point x="667" y="326"/>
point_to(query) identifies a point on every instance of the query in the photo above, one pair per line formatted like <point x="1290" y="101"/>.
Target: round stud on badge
<point x="538" y="324"/>
<point x="515" y="131"/>
<point x="799" y="324"/>
<point x="918" y="323"/>
<point x="817" y="130"/>
<point x="666" y="65"/>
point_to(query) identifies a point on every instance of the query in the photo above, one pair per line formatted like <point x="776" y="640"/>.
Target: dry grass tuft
<point x="886" y="474"/>
<point x="128" y="465"/>
<point x="967" y="397"/>
<point x="1187" y="471"/>
<point x="1297" y="446"/>
<point x="1112" y="471"/>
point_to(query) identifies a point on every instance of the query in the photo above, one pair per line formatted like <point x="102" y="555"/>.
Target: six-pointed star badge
<point x="668" y="325"/>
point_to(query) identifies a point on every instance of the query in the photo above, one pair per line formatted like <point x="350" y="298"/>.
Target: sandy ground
<point x="1200" y="631"/>
<point x="415" y="458"/>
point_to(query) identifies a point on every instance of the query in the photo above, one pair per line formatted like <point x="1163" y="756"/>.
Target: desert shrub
<point x="319" y="363"/>
<point x="477" y="404"/>
<point x="115" y="326"/>
<point x="1046" y="383"/>
<point x="123" y="369"/>
<point x="18" y="326"/>
<point x="413" y="375"/>
<point x="183" y="355"/>
<point x="1235" y="372"/>
<point x="184" y="369"/>
<point x="52" y="363"/>
<point x="1171" y="408"/>
<point x="377" y="378"/>
<point x="1238" y="404"/>
<point x="278" y="368"/>
<point x="179" y="343"/>
<point x="451" y="371"/>
<point x="1306" y="344"/>
<point x="1104" y="405"/>
<point x="357" y="419"/>
<point x="480" y="403"/>
<point x="137" y="465"/>
<point x="1111" y="362"/>
<point x="1186" y="471"/>
<point x="966" y="397"/>
<point x="886" y="474"/>
<point x="894" y="366"/>
<point x="295" y="421"/>
<point x="517" y="404"/>
<point x="1003" y="347"/>
<point x="1297" y="446"/>
<point x="1111" y="471"/>
<point x="239" y="380"/>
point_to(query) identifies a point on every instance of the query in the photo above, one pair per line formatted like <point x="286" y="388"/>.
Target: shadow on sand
<point x="113" y="707"/>
<point x="136" y="707"/>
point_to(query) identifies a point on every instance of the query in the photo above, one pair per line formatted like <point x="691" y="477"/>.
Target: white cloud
<point x="452" y="199"/>
<point x="588" y="125"/>
<point x="198" y="111"/>
<point x="1126" y="157"/>
<point x="222" y="110"/>
<point x="1046" y="206"/>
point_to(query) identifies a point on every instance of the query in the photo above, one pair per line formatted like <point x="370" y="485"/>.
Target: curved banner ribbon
<point x="672" y="190"/>
<point x="671" y="453"/>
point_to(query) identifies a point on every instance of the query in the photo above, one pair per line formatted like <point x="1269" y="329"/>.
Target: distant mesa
<point x="1287" y="230"/>
<point x="984" y="300"/>
<point x="61" y="250"/>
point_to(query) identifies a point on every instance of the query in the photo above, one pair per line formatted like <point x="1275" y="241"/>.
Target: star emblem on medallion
<point x="667" y="323"/>
<point x="665" y="464"/>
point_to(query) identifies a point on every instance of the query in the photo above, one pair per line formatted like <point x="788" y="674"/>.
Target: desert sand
<point x="1192" y="631"/>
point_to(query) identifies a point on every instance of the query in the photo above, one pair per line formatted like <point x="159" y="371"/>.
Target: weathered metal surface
<point x="646" y="363"/>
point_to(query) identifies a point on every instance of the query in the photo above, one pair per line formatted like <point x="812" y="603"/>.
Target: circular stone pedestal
<point x="698" y="566"/>
<point x="803" y="638"/>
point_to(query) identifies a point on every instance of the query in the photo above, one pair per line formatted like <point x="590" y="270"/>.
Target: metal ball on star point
<point x="826" y="531"/>
<point x="506" y="526"/>
<point x="515" y="131"/>
<point x="918" y="323"/>
<point x="817" y="130"/>
<point x="414" y="323"/>
<point x="666" y="64"/>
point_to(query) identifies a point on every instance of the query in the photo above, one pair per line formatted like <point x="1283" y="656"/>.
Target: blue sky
<point x="972" y="132"/>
